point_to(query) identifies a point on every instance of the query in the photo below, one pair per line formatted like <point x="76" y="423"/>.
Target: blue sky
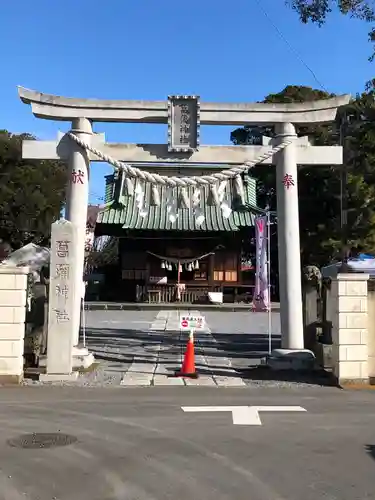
<point x="147" y="49"/>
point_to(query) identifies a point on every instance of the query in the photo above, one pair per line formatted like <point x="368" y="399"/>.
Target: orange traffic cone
<point x="188" y="366"/>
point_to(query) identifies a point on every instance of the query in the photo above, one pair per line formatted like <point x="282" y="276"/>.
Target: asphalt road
<point x="137" y="443"/>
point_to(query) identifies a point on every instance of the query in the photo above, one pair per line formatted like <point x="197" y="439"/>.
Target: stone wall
<point x="349" y="313"/>
<point x="13" y="286"/>
<point x="371" y="329"/>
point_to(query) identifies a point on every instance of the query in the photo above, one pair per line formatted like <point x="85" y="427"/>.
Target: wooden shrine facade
<point x="164" y="261"/>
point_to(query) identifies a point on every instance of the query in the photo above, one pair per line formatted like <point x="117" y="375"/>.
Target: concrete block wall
<point x="350" y="327"/>
<point x="371" y="330"/>
<point x="13" y="286"/>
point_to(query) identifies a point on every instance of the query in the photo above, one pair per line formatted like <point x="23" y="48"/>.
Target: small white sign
<point x="159" y="280"/>
<point x="192" y="322"/>
<point x="243" y="415"/>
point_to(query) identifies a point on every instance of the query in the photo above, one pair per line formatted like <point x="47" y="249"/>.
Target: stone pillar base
<point x="291" y="359"/>
<point x="11" y="379"/>
<point x="353" y="382"/>
<point x="82" y="359"/>
<point x="58" y="377"/>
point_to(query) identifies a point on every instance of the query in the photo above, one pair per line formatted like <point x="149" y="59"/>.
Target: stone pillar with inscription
<point x="63" y="265"/>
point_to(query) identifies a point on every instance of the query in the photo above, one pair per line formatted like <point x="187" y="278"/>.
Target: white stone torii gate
<point x="83" y="112"/>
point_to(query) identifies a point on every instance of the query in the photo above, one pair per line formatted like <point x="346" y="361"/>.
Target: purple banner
<point x="261" y="300"/>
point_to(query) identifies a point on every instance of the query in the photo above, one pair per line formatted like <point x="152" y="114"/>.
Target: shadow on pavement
<point x="141" y="347"/>
<point x="225" y="345"/>
<point x="370" y="448"/>
<point x="264" y="373"/>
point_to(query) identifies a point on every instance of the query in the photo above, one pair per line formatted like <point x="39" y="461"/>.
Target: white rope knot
<point x="173" y="181"/>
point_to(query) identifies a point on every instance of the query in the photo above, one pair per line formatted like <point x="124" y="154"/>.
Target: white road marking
<point x="243" y="415"/>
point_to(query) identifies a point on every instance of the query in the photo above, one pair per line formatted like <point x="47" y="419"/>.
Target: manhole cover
<point x="40" y="440"/>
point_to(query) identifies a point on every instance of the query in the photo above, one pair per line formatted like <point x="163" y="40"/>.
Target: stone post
<point x="63" y="270"/>
<point x="76" y="211"/>
<point x="13" y="286"/>
<point x="349" y="327"/>
<point x="289" y="242"/>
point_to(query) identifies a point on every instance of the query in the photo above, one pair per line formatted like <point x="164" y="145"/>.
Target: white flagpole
<point x="269" y="282"/>
<point x="83" y="323"/>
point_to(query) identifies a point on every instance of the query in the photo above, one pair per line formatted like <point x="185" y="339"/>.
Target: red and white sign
<point x="192" y="322"/>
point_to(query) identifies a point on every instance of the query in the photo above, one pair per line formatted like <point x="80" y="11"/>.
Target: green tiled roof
<point x="124" y="212"/>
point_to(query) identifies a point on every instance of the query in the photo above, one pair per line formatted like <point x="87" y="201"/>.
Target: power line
<point x="289" y="45"/>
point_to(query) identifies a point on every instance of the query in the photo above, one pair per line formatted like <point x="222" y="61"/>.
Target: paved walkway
<point x="167" y="353"/>
<point x="157" y="352"/>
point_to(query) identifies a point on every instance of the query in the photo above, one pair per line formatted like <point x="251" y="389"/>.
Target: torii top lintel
<point x="66" y="109"/>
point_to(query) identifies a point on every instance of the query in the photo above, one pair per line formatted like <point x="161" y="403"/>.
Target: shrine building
<point x="169" y="252"/>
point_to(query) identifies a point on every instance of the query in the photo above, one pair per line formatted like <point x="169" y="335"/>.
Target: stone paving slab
<point x="202" y="380"/>
<point x="163" y="380"/>
<point x="136" y="381"/>
<point x="228" y="381"/>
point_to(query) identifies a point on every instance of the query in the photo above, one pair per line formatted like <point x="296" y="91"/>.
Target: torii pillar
<point x="76" y="210"/>
<point x="290" y="285"/>
<point x="284" y="116"/>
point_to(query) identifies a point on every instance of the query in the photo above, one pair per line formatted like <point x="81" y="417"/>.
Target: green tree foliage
<point x="359" y="142"/>
<point x="106" y="255"/>
<point x="319" y="187"/>
<point x="316" y="11"/>
<point x="32" y="193"/>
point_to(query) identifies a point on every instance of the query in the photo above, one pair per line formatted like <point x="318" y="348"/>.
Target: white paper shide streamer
<point x="172" y="205"/>
<point x="197" y="208"/>
<point x="224" y="205"/>
<point x="140" y="199"/>
<point x="178" y="198"/>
